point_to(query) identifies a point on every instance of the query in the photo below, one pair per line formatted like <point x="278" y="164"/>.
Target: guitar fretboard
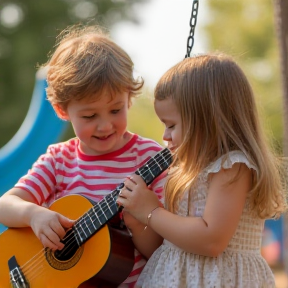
<point x="107" y="208"/>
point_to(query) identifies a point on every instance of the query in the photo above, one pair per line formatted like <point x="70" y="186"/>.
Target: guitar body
<point x="107" y="257"/>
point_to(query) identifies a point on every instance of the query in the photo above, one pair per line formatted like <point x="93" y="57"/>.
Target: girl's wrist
<point x="149" y="216"/>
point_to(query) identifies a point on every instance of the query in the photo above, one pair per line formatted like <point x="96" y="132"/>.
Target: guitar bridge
<point x="17" y="278"/>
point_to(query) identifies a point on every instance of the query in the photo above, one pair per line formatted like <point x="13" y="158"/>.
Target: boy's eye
<point x="115" y="111"/>
<point x="88" y="117"/>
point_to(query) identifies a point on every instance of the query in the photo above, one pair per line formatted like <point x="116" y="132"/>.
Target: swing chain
<point x="193" y="21"/>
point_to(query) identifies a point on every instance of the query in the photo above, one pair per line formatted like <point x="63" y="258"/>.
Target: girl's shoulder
<point x="228" y="160"/>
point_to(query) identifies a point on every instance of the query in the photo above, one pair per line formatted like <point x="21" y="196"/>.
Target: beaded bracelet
<point x="149" y="216"/>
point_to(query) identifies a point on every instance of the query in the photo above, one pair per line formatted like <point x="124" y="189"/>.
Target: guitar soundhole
<point x="67" y="257"/>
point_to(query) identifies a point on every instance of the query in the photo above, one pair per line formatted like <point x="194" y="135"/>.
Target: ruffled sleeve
<point x="227" y="161"/>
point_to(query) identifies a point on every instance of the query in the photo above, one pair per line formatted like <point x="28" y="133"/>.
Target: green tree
<point x="245" y="29"/>
<point x="27" y="34"/>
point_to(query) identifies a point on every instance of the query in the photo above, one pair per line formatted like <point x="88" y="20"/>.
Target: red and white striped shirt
<point x="65" y="170"/>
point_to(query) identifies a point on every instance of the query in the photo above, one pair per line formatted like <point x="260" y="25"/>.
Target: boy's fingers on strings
<point x="54" y="245"/>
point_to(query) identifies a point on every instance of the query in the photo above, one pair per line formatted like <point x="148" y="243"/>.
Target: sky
<point x="160" y="41"/>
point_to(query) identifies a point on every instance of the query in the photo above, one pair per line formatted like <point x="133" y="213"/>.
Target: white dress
<point x="240" y="265"/>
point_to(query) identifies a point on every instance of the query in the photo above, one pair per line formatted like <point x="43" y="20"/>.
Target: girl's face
<point x="168" y="113"/>
<point x="100" y="125"/>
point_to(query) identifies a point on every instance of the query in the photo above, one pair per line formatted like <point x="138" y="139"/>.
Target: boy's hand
<point x="50" y="227"/>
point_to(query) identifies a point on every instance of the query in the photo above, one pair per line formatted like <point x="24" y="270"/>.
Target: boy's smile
<point x="100" y="125"/>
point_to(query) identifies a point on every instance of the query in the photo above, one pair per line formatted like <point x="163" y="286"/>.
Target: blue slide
<point x="40" y="128"/>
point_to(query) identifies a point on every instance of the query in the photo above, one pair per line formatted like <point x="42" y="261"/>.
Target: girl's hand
<point x="137" y="199"/>
<point x="50" y="227"/>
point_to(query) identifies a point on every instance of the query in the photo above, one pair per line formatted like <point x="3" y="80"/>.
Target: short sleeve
<point x="40" y="180"/>
<point x="227" y="161"/>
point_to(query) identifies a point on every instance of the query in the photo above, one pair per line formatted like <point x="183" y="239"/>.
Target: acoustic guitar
<point x="98" y="252"/>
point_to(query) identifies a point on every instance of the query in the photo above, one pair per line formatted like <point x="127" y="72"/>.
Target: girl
<point x="223" y="182"/>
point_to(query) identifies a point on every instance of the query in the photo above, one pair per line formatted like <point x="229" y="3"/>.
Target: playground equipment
<point x="40" y="128"/>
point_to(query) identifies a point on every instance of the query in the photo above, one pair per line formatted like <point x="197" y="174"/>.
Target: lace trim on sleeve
<point x="227" y="161"/>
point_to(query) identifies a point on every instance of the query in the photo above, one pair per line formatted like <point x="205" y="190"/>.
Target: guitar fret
<point x="150" y="171"/>
<point x="158" y="164"/>
<point x="96" y="218"/>
<point x="79" y="239"/>
<point x="83" y="229"/>
<point x="165" y="160"/>
<point x="108" y="206"/>
<point x="89" y="218"/>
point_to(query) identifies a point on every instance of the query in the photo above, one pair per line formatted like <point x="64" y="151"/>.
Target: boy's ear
<point x="60" y="112"/>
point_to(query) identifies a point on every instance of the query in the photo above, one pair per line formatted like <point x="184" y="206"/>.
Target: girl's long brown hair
<point x="219" y="115"/>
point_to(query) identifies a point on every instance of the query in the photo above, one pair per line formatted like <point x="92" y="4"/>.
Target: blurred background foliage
<point x="244" y="29"/>
<point x="27" y="34"/>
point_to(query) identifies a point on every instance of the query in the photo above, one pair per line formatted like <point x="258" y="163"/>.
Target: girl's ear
<point x="60" y="112"/>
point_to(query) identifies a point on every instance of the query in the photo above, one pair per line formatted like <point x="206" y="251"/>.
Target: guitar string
<point x="38" y="271"/>
<point x="101" y="208"/>
<point x="98" y="208"/>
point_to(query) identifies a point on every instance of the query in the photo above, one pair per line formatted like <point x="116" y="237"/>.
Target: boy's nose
<point x="104" y="125"/>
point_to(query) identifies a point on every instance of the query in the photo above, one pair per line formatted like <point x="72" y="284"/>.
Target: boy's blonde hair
<point x="219" y="115"/>
<point x="84" y="63"/>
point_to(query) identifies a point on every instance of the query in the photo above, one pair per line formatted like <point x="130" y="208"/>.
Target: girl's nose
<point x="166" y="136"/>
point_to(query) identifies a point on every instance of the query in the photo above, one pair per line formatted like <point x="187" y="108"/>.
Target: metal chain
<point x="193" y="21"/>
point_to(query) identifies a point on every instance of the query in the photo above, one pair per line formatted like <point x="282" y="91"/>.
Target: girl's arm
<point x="19" y="209"/>
<point x="208" y="235"/>
<point x="146" y="241"/>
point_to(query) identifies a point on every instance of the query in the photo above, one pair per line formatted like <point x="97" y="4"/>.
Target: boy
<point x="91" y="84"/>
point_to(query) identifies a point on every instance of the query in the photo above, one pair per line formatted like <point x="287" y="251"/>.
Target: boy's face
<point x="168" y="113"/>
<point x="100" y="125"/>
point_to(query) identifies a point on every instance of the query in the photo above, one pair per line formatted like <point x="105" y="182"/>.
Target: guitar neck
<point x="103" y="211"/>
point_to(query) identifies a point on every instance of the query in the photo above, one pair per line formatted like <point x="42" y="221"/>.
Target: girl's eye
<point x="88" y="117"/>
<point x="170" y="127"/>
<point x="115" y="111"/>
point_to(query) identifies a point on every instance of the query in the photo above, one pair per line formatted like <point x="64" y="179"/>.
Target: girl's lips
<point x="170" y="147"/>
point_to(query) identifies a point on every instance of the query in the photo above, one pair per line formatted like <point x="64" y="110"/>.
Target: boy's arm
<point x="19" y="209"/>
<point x="16" y="206"/>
